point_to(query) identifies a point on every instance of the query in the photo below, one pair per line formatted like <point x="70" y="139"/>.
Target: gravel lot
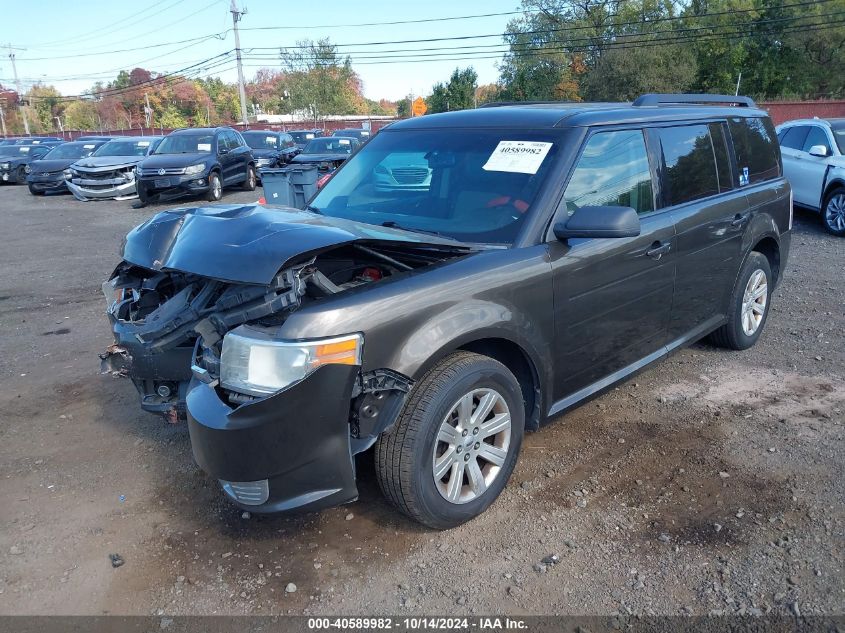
<point x="712" y="482"/>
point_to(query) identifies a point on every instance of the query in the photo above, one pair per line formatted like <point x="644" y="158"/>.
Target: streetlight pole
<point x="12" y="50"/>
<point x="236" y="17"/>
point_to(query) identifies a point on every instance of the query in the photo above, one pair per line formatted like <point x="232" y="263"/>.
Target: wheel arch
<point x="770" y="248"/>
<point x="835" y="183"/>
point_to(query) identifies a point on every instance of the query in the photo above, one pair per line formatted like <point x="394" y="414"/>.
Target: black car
<point x="97" y="138"/>
<point x="559" y="249"/>
<point x="327" y="153"/>
<point x="196" y="161"/>
<point x="14" y="160"/>
<point x="354" y="132"/>
<point x="36" y="140"/>
<point x="303" y="137"/>
<point x="270" y="149"/>
<point x="51" y="173"/>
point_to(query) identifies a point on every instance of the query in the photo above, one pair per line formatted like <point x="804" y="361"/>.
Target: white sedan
<point x="814" y="163"/>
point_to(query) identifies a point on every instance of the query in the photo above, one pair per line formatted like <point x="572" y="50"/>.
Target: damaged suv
<point x="556" y="250"/>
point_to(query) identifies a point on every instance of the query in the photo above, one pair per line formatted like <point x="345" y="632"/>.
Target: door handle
<point x="739" y="220"/>
<point x="659" y="249"/>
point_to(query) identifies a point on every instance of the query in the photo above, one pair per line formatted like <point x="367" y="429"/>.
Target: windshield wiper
<point x="395" y="225"/>
<point x="313" y="209"/>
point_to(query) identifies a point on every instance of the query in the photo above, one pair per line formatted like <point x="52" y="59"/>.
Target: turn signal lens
<point x="344" y="352"/>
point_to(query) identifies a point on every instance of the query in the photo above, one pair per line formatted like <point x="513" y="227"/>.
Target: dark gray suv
<point x="555" y="250"/>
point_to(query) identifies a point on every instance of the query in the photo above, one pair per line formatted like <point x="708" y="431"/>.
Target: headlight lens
<point x="27" y="169"/>
<point x="67" y="173"/>
<point x="195" y="169"/>
<point x="4" y="165"/>
<point x="254" y="363"/>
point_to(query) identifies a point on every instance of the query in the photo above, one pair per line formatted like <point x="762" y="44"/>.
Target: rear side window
<point x="816" y="137"/>
<point x="612" y="171"/>
<point x="688" y="163"/>
<point x="794" y="137"/>
<point x="757" y="151"/>
<point x="719" y="137"/>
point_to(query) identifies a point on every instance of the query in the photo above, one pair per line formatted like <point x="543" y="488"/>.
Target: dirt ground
<point x="710" y="483"/>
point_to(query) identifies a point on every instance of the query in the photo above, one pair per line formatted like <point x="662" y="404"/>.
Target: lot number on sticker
<point x="203" y="147"/>
<point x="522" y="157"/>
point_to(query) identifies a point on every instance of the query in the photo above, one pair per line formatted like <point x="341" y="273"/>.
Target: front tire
<point x="20" y="175"/>
<point x="34" y="191"/>
<point x="215" y="187"/>
<point x="749" y="306"/>
<point x="833" y="212"/>
<point x="249" y="181"/>
<point x="455" y="444"/>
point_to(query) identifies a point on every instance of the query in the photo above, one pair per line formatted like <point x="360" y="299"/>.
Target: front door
<point x="808" y="171"/>
<point x="613" y="296"/>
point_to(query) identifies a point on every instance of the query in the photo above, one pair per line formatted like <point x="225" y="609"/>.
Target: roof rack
<point x="499" y="104"/>
<point x="670" y="99"/>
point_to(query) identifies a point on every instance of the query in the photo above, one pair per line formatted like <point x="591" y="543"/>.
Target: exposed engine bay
<point x="165" y="321"/>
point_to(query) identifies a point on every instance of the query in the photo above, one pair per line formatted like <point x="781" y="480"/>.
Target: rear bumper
<point x="83" y="189"/>
<point x="288" y="451"/>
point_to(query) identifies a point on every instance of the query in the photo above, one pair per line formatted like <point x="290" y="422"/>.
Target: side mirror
<point x="818" y="150"/>
<point x="599" y="222"/>
<point x="222" y="151"/>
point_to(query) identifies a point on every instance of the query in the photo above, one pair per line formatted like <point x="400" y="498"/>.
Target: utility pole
<point x="148" y="111"/>
<point x="738" y="79"/>
<point x="61" y="127"/>
<point x="2" y="121"/>
<point x="236" y="17"/>
<point x="12" y="50"/>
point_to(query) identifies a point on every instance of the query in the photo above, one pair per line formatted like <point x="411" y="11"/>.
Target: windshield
<point x="838" y="130"/>
<point x="471" y="185"/>
<point x="352" y="132"/>
<point x="71" y="150"/>
<point x="186" y="144"/>
<point x="18" y="150"/>
<point x="329" y="145"/>
<point x="261" y="140"/>
<point x="302" y="137"/>
<point x="124" y="148"/>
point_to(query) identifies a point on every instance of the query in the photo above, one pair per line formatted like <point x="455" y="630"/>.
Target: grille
<point x="171" y="171"/>
<point x="410" y="175"/>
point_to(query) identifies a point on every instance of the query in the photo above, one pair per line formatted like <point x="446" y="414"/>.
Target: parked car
<point x="14" y="160"/>
<point x="303" y="137"/>
<point x="197" y="161"/>
<point x="354" y="132"/>
<point x="559" y="250"/>
<point x="51" y="173"/>
<point x="98" y="138"/>
<point x="110" y="172"/>
<point x="814" y="163"/>
<point x="270" y="149"/>
<point x="37" y="140"/>
<point x="327" y="153"/>
<point x="409" y="171"/>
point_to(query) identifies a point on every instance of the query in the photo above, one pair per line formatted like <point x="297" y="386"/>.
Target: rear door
<point x="613" y="296"/>
<point x="710" y="213"/>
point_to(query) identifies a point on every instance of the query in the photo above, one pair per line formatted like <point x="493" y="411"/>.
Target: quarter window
<point x="688" y="163"/>
<point x="757" y="151"/>
<point x="794" y="137"/>
<point x="612" y="171"/>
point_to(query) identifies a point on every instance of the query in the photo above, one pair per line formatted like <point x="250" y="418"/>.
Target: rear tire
<point x="249" y="181"/>
<point x="467" y="409"/>
<point x="749" y="305"/>
<point x="833" y="212"/>
<point x="215" y="187"/>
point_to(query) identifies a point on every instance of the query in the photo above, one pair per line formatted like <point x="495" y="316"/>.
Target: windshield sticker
<point x="743" y="177"/>
<point x="203" y="147"/>
<point x="143" y="143"/>
<point x="35" y="142"/>
<point x="87" y="147"/>
<point x="521" y="157"/>
<point x="309" y="136"/>
<point x="270" y="139"/>
<point x="343" y="141"/>
<point x="24" y="150"/>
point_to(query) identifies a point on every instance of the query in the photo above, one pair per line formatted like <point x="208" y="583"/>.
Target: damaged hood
<point x="248" y="244"/>
<point x="106" y="163"/>
<point x="54" y="164"/>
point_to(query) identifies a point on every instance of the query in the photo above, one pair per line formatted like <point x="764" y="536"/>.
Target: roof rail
<point x="669" y="99"/>
<point x="498" y="104"/>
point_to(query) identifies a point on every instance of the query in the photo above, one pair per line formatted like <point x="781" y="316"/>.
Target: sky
<point x="73" y="44"/>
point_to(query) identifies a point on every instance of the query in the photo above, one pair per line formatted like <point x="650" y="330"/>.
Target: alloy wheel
<point x="834" y="212"/>
<point x="472" y="445"/>
<point x="216" y="188"/>
<point x="754" y="301"/>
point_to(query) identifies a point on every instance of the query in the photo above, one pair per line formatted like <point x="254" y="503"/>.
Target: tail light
<point x="322" y="180"/>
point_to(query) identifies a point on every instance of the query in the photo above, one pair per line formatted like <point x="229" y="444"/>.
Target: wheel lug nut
<point x="459" y="449"/>
<point x="466" y="457"/>
<point x="475" y="431"/>
<point x="477" y="445"/>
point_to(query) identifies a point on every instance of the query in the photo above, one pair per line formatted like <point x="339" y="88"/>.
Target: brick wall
<point x="781" y="111"/>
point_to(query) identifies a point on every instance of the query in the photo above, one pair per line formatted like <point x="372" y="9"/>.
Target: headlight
<point x="67" y="174"/>
<point x="195" y="169"/>
<point x="4" y="165"/>
<point x="73" y="172"/>
<point x="257" y="364"/>
<point x="27" y="169"/>
<point x="264" y="161"/>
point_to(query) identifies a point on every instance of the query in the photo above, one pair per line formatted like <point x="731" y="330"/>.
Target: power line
<point x="394" y="23"/>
